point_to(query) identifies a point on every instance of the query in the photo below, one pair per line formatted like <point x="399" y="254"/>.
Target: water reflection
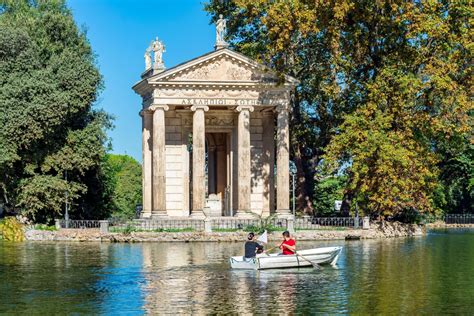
<point x="429" y="275"/>
<point x="196" y="278"/>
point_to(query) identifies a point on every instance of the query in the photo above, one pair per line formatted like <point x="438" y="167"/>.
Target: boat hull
<point x="305" y="258"/>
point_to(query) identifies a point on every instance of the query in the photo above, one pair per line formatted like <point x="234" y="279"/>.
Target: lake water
<point x="424" y="275"/>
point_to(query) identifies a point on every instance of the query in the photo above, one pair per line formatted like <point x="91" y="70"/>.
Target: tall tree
<point x="48" y="127"/>
<point x="125" y="176"/>
<point x="289" y="37"/>
<point x="384" y="86"/>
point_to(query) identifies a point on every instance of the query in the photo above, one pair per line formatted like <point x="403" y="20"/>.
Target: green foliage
<point x="385" y="94"/>
<point x="225" y="230"/>
<point x="47" y="125"/>
<point x="11" y="230"/>
<point x="125" y="180"/>
<point x="130" y="228"/>
<point x="45" y="227"/>
<point x="327" y="191"/>
<point x="265" y="224"/>
<point x="456" y="193"/>
<point x="331" y="228"/>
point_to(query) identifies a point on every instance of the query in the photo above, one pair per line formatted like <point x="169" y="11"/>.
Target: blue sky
<point x="119" y="32"/>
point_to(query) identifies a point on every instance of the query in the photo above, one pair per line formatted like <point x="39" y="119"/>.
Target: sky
<point x="119" y="32"/>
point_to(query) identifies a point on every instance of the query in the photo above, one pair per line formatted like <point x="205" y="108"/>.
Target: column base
<point x="244" y="214"/>
<point x="197" y="214"/>
<point x="284" y="213"/>
<point x="145" y="216"/>
<point x="160" y="215"/>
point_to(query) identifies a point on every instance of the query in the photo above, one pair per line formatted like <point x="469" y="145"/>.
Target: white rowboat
<point x="304" y="258"/>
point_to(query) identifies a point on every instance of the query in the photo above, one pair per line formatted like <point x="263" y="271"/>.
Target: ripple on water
<point x="432" y="274"/>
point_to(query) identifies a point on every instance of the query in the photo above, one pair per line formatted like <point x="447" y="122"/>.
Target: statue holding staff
<point x="158" y="48"/>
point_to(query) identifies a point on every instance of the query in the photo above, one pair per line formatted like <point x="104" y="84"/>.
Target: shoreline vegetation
<point x="377" y="230"/>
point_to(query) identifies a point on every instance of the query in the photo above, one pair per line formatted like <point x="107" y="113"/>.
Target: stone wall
<point x="377" y="230"/>
<point x="442" y="224"/>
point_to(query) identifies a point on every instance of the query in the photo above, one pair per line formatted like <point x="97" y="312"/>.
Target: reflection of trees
<point x="50" y="278"/>
<point x="411" y="276"/>
<point x="451" y="272"/>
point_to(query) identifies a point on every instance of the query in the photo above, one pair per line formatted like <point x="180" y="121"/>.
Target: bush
<point x="326" y="192"/>
<point x="11" y="229"/>
<point x="45" y="227"/>
<point x="266" y="224"/>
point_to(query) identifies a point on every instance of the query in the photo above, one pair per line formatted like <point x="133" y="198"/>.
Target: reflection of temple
<point x="209" y="142"/>
<point x="169" y="286"/>
<point x="196" y="279"/>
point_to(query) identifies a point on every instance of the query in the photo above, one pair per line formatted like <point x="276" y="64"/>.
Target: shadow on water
<point x="432" y="274"/>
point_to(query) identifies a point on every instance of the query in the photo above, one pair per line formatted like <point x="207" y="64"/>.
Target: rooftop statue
<point x="148" y="57"/>
<point x="158" y="49"/>
<point x="221" y="29"/>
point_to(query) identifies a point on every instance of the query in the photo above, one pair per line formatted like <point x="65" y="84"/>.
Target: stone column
<point x="199" y="160"/>
<point x="283" y="162"/>
<point x="268" y="163"/>
<point x="243" y="160"/>
<point x="159" y="161"/>
<point x="147" y="124"/>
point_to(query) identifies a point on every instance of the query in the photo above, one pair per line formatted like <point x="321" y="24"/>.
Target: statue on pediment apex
<point x="221" y="29"/>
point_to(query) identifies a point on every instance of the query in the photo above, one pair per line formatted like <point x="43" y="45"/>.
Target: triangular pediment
<point x="219" y="66"/>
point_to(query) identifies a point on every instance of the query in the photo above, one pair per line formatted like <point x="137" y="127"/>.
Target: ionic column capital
<point x="241" y="108"/>
<point x="194" y="108"/>
<point x="155" y="107"/>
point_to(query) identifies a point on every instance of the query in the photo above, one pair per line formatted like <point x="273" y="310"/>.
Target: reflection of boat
<point x="304" y="258"/>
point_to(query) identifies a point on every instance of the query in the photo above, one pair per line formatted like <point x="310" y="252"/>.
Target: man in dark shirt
<point x="252" y="247"/>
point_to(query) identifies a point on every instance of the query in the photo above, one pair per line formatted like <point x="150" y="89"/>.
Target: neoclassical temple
<point x="215" y="135"/>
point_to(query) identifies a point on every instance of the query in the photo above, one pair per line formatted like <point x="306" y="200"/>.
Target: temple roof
<point x="222" y="67"/>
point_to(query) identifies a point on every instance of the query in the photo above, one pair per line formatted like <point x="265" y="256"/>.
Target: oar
<point x="314" y="264"/>
<point x="272" y="248"/>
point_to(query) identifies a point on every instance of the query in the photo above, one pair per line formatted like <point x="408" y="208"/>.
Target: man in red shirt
<point x="288" y="246"/>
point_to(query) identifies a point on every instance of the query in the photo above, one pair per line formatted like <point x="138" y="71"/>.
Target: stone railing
<point x="222" y="224"/>
<point x="308" y="223"/>
<point x="459" y="218"/>
<point x="102" y="225"/>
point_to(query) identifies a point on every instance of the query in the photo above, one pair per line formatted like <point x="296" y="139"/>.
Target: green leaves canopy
<point x="125" y="178"/>
<point x="384" y="94"/>
<point x="49" y="83"/>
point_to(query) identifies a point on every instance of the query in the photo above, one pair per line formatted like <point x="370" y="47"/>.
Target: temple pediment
<point x="221" y="66"/>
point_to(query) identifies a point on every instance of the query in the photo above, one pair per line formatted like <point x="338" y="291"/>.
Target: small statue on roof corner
<point x="148" y="57"/>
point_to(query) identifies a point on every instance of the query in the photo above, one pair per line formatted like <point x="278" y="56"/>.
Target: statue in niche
<point x="158" y="48"/>
<point x="148" y="57"/>
<point x="221" y="28"/>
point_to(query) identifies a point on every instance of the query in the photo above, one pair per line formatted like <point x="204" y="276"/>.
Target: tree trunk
<point x="346" y="203"/>
<point x="303" y="173"/>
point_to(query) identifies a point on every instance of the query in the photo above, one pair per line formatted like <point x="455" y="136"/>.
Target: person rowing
<point x="252" y="247"/>
<point x="288" y="245"/>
